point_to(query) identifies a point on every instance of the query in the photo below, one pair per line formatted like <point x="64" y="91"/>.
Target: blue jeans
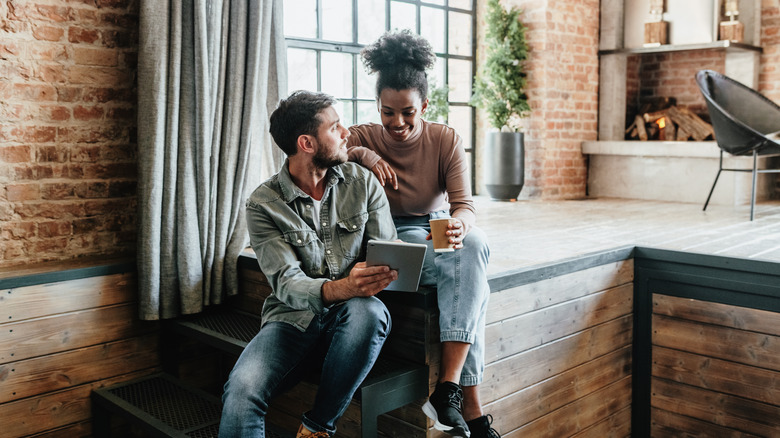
<point x="344" y="342"/>
<point x="460" y="278"/>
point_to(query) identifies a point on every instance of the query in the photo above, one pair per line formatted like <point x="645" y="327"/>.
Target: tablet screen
<point x="406" y="258"/>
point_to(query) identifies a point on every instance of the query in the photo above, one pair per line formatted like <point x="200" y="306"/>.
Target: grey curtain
<point x="209" y="73"/>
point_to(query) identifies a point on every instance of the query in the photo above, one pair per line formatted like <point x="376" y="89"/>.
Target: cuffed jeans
<point x="460" y="278"/>
<point x="345" y="341"/>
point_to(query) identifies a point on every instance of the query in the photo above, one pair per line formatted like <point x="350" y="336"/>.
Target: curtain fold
<point x="209" y="73"/>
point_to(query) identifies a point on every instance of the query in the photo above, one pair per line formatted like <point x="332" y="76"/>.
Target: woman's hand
<point x="385" y="173"/>
<point x="456" y="232"/>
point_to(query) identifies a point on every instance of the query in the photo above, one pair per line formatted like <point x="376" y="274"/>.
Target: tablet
<point x="406" y="258"/>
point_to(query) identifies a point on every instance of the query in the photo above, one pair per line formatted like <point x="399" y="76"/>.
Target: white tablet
<point x="406" y="258"/>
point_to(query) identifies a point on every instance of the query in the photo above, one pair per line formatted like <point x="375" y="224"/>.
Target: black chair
<point x="743" y="120"/>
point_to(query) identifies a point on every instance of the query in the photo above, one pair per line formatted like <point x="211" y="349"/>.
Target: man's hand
<point x="385" y="173"/>
<point x="363" y="281"/>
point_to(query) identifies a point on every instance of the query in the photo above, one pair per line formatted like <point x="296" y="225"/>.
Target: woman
<point x="424" y="170"/>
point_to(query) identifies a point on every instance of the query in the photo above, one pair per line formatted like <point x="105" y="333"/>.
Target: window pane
<point x="460" y="77"/>
<point x="337" y="74"/>
<point x="301" y="70"/>
<point x="432" y="28"/>
<point x="366" y="83"/>
<point x="460" y="120"/>
<point x="346" y="112"/>
<point x="460" y="34"/>
<point x="371" y="20"/>
<point x="461" y="4"/>
<point x="367" y="112"/>
<point x="403" y="16"/>
<point x="337" y="20"/>
<point x="436" y="2"/>
<point x="300" y="18"/>
<point x="436" y="74"/>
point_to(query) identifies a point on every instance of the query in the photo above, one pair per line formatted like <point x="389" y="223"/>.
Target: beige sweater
<point x="431" y="166"/>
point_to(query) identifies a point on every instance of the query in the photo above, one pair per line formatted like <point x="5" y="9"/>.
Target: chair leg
<point x="755" y="179"/>
<point x="720" y="169"/>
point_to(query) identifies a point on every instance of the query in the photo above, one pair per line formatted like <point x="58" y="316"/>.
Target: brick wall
<point x="67" y="129"/>
<point x="563" y="94"/>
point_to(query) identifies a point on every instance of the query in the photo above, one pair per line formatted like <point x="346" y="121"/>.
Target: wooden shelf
<point x="728" y="45"/>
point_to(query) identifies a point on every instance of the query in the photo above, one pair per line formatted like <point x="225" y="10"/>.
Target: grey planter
<point x="504" y="165"/>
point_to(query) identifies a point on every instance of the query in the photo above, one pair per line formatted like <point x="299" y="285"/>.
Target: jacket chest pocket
<point x="308" y="247"/>
<point x="350" y="234"/>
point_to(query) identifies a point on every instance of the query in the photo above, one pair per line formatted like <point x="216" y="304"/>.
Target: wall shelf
<point x="728" y="45"/>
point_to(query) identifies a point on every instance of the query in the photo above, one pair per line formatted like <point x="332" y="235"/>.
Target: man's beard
<point x="322" y="161"/>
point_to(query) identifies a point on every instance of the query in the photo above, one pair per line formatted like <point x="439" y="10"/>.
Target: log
<point x="693" y="124"/>
<point x="640" y="128"/>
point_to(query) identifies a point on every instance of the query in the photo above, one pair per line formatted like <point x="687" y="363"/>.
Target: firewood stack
<point x="669" y="124"/>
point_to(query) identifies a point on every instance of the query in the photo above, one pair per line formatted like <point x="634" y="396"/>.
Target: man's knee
<point x="368" y="314"/>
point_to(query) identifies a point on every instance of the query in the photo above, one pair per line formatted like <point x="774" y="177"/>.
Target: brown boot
<point x="303" y="432"/>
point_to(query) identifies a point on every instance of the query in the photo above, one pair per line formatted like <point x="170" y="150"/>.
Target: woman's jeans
<point x="460" y="278"/>
<point x="345" y="341"/>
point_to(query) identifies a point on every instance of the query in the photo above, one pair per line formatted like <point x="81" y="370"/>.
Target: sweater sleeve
<point x="358" y="152"/>
<point x="457" y="182"/>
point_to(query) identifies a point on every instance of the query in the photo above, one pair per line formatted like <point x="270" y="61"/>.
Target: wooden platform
<point x="528" y="233"/>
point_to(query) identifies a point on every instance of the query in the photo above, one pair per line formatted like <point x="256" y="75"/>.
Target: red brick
<point x="52" y="154"/>
<point x="55" y="228"/>
<point x="57" y="191"/>
<point x="15" y="154"/>
<point x="86" y="225"/>
<point x="90" y="56"/>
<point x="107" y="76"/>
<point x="19" y="230"/>
<point x="22" y="192"/>
<point x="51" y="73"/>
<point x="58" y="113"/>
<point x="46" y="246"/>
<point x="35" y="93"/>
<point x="81" y="35"/>
<point x="47" y="33"/>
<point x="53" y="13"/>
<point x="88" y="113"/>
<point x="92" y="190"/>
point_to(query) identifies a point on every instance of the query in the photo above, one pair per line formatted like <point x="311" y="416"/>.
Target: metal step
<point x="162" y="406"/>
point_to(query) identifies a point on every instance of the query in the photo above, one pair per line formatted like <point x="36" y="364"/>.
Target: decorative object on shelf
<point x="732" y="30"/>
<point x="499" y="89"/>
<point x="656" y="29"/>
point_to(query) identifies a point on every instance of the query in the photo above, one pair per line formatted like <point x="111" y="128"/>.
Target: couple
<point x="309" y="225"/>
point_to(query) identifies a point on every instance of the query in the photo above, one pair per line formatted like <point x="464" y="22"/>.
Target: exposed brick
<point x="57" y="191"/>
<point x="89" y="75"/>
<point x="88" y="113"/>
<point x="85" y="154"/>
<point x="35" y="92"/>
<point x="51" y="154"/>
<point x="58" y="113"/>
<point x="56" y="14"/>
<point x="81" y="35"/>
<point x="91" y="56"/>
<point x="47" y="33"/>
<point x="55" y="228"/>
<point x="19" y="230"/>
<point x="22" y="192"/>
<point x="15" y="154"/>
<point x="92" y="190"/>
<point x="122" y="189"/>
<point x="86" y="225"/>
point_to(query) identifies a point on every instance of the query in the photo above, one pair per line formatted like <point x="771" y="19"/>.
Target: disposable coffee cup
<point x="441" y="241"/>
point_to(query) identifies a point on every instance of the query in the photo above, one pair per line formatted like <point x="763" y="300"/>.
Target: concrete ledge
<point x="670" y="171"/>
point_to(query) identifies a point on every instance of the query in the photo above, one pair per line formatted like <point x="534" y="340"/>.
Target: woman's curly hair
<point x="400" y="60"/>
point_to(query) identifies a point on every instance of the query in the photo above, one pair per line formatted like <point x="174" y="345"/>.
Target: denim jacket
<point x="295" y="258"/>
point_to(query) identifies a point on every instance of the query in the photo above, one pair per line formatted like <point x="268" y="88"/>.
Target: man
<point x="309" y="225"/>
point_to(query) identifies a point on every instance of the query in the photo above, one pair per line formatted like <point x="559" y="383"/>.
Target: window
<point x="324" y="39"/>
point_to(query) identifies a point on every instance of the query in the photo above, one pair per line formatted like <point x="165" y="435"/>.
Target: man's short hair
<point x="298" y="115"/>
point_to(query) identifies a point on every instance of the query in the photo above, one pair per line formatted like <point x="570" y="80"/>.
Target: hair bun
<point x="400" y="47"/>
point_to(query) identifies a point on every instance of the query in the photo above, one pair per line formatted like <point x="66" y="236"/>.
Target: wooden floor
<point x="528" y="233"/>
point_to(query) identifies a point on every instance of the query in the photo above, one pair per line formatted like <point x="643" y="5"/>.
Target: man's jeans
<point x="345" y="341"/>
<point x="462" y="288"/>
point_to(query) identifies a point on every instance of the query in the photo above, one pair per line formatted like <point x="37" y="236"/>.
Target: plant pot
<point x="504" y="165"/>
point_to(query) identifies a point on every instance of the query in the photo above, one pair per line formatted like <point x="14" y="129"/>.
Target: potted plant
<point x="499" y="89"/>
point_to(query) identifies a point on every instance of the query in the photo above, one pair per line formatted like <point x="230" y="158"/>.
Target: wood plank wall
<point x="60" y="340"/>
<point x="715" y="369"/>
<point x="559" y="355"/>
